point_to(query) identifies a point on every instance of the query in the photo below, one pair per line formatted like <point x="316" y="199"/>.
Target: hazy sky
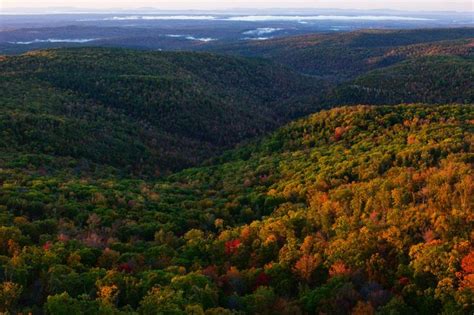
<point x="415" y="5"/>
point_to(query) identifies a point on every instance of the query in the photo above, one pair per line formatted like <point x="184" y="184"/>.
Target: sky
<point x="411" y="5"/>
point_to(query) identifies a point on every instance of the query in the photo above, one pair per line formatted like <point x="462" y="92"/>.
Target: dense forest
<point x="150" y="112"/>
<point x="346" y="55"/>
<point x="429" y="79"/>
<point x="358" y="209"/>
<point x="140" y="182"/>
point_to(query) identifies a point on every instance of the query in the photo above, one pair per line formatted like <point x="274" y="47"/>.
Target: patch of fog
<point x="256" y="38"/>
<point x="56" y="40"/>
<point x="339" y="28"/>
<point x="160" y="17"/>
<point x="262" y="18"/>
<point x="299" y="18"/>
<point x="189" y="37"/>
<point x="262" y="31"/>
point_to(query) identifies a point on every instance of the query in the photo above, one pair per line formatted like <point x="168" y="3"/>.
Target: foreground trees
<point x="357" y="210"/>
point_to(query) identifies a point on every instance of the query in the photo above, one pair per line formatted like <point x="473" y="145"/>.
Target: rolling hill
<point x="353" y="210"/>
<point x="428" y="79"/>
<point x="344" y="56"/>
<point x="146" y="112"/>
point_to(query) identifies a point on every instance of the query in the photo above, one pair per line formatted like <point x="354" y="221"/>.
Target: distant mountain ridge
<point x="345" y="55"/>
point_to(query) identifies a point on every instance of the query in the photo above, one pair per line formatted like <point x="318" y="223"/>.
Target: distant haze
<point x="412" y="5"/>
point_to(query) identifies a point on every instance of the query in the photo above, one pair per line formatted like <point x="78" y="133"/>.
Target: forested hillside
<point x="145" y="112"/>
<point x="429" y="79"/>
<point x="356" y="210"/>
<point x="344" y="56"/>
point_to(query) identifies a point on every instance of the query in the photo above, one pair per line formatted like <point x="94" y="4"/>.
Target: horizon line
<point x="118" y="9"/>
